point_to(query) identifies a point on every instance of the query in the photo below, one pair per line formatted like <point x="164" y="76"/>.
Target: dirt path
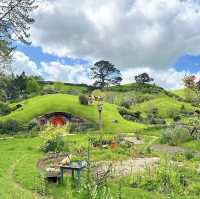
<point x="126" y="167"/>
<point x="167" y="149"/>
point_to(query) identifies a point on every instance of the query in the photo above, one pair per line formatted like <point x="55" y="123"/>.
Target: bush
<point x="83" y="99"/>
<point x="53" y="138"/>
<point x="126" y="104"/>
<point x="189" y="155"/>
<point x="11" y="127"/>
<point x="32" y="125"/>
<point x="176" y="118"/>
<point x="4" y="108"/>
<point x="183" y="110"/>
<point x="166" y="179"/>
<point x="175" y="136"/>
<point x="172" y="113"/>
<point x="49" y="89"/>
<point x="55" y="145"/>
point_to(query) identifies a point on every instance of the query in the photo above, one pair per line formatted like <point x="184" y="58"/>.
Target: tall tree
<point x="21" y="82"/>
<point x="105" y="74"/>
<point x="32" y="86"/>
<point x="143" y="78"/>
<point x="15" y="21"/>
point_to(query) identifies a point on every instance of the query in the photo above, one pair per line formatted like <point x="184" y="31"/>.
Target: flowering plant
<point x="53" y="137"/>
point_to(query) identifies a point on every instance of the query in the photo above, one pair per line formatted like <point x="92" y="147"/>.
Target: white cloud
<point x="166" y="78"/>
<point x="22" y="63"/>
<point x="57" y="71"/>
<point x="129" y="33"/>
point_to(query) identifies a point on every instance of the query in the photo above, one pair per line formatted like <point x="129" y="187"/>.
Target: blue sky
<point x="189" y="63"/>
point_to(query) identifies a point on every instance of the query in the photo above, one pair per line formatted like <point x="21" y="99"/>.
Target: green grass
<point x="40" y="105"/>
<point x="69" y="87"/>
<point x="179" y="92"/>
<point x="19" y="174"/>
<point x="164" y="104"/>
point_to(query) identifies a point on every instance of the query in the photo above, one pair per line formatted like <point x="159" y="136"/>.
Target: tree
<point x="189" y="81"/>
<point x="32" y="86"/>
<point x="143" y="78"/>
<point x="15" y="21"/>
<point x="59" y="86"/>
<point x="105" y="74"/>
<point x="21" y="82"/>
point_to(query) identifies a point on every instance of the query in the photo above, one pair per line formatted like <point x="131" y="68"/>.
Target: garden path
<point x="126" y="167"/>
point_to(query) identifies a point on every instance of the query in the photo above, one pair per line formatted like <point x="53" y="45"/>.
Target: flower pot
<point x="114" y="145"/>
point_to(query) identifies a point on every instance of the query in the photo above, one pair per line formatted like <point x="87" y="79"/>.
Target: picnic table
<point x="74" y="166"/>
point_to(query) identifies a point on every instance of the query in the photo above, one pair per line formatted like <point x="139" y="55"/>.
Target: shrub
<point x="189" y="155"/>
<point x="126" y="104"/>
<point x="53" y="138"/>
<point x="56" y="145"/>
<point x="166" y="179"/>
<point x="176" y="118"/>
<point x="175" y="136"/>
<point x="194" y="188"/>
<point x="183" y="110"/>
<point x="172" y="113"/>
<point x="4" y="108"/>
<point x="49" y="89"/>
<point x="32" y="125"/>
<point x="83" y="99"/>
<point x="11" y="126"/>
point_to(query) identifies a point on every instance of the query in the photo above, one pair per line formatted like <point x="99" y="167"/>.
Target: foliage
<point x="168" y="178"/>
<point x="126" y="103"/>
<point x="15" y="21"/>
<point x="172" y="112"/>
<point x="83" y="99"/>
<point x="175" y="136"/>
<point x="53" y="137"/>
<point x="95" y="187"/>
<point x="189" y="81"/>
<point x="143" y="78"/>
<point x="58" y="86"/>
<point x="49" y="89"/>
<point x="11" y="127"/>
<point x="189" y="154"/>
<point x="105" y="74"/>
<point x="4" y="108"/>
<point x="32" y="86"/>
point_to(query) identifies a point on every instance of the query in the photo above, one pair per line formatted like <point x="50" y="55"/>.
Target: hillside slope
<point x="40" y="105"/>
<point x="164" y="105"/>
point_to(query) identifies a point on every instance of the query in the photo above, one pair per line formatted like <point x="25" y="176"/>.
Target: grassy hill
<point x="40" y="105"/>
<point x="179" y="92"/>
<point x="164" y="105"/>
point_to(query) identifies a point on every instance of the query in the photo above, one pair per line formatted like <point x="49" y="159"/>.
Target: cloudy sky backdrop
<point x="161" y="37"/>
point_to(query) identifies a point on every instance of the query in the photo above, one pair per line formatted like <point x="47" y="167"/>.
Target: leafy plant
<point x="11" y="126"/>
<point x="175" y="136"/>
<point x="189" y="154"/>
<point x="83" y="99"/>
<point x="4" y="108"/>
<point x="168" y="178"/>
<point x="53" y="138"/>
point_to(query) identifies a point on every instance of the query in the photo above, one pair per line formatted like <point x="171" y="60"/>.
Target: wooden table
<point x="75" y="166"/>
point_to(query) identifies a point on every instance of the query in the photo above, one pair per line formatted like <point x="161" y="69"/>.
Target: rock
<point x="114" y="121"/>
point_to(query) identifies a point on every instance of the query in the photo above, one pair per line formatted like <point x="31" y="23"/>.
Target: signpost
<point x="100" y="108"/>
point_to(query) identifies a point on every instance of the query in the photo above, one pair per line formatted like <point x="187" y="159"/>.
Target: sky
<point x="160" y="37"/>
